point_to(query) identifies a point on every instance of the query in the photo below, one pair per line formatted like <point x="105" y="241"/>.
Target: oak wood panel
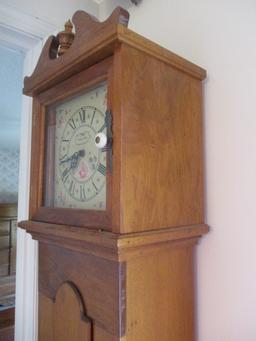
<point x="37" y="157"/>
<point x="100" y="334"/>
<point x="46" y="325"/>
<point x="160" y="296"/>
<point x="161" y="137"/>
<point x="154" y="291"/>
<point x="96" y="279"/>
<point x="70" y="321"/>
<point x="45" y="318"/>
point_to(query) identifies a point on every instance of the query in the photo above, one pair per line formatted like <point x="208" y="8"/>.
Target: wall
<point x="11" y="68"/>
<point x="54" y="12"/>
<point x="219" y="36"/>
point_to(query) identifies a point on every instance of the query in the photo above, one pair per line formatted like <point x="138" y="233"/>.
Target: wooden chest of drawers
<point x="8" y="227"/>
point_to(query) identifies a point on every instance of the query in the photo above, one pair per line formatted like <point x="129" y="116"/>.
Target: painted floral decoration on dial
<point x="80" y="167"/>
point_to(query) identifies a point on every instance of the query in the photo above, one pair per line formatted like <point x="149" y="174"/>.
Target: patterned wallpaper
<point x="11" y="68"/>
<point x="9" y="174"/>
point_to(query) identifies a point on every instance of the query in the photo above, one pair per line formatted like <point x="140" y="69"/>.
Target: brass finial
<point x="68" y="26"/>
<point x="65" y="38"/>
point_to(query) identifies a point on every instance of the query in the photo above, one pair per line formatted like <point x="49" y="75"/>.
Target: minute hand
<point x="73" y="159"/>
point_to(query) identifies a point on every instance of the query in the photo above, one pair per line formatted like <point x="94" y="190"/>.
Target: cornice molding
<point x="16" y="40"/>
<point x="22" y="30"/>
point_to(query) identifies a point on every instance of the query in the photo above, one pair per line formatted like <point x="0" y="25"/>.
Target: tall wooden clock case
<point x="116" y="194"/>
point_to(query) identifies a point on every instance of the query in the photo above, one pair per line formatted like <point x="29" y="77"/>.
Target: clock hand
<point x="74" y="157"/>
<point x="66" y="160"/>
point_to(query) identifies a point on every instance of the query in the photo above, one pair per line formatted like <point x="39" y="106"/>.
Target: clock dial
<point x="80" y="167"/>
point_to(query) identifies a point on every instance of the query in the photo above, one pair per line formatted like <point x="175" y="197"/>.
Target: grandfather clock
<point x="116" y="194"/>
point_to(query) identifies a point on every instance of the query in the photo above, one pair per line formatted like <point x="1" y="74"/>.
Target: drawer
<point x="7" y="288"/>
<point x="4" y="262"/>
<point x="4" y="228"/>
<point x="4" y="242"/>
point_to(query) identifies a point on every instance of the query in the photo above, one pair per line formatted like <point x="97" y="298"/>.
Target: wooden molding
<point x="118" y="247"/>
<point x="50" y="70"/>
<point x="147" y="46"/>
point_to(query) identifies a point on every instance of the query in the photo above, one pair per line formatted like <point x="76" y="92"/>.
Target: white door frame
<point x="26" y="265"/>
<point x="25" y="33"/>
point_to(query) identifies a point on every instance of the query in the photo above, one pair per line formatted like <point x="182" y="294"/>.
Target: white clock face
<point x="80" y="167"/>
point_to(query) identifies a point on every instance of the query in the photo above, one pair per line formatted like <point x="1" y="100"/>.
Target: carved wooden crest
<point x="93" y="41"/>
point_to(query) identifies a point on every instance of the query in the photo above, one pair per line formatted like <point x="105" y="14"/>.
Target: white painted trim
<point x="27" y="249"/>
<point x="14" y="19"/>
<point x="16" y="41"/>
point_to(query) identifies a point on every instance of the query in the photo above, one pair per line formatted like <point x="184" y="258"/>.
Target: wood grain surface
<point x="69" y="320"/>
<point x="149" y="295"/>
<point x="161" y="144"/>
<point x="96" y="279"/>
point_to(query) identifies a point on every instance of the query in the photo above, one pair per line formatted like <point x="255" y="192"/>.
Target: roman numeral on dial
<point x="72" y="124"/>
<point x="82" y="115"/>
<point x="82" y="193"/>
<point x="71" y="188"/>
<point x="95" y="187"/>
<point x="93" y="115"/>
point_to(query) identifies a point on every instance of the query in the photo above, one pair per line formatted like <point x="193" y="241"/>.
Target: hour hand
<point x="65" y="160"/>
<point x="74" y="157"/>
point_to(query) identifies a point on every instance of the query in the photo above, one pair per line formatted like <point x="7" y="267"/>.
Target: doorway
<point x="20" y="35"/>
<point x="11" y="71"/>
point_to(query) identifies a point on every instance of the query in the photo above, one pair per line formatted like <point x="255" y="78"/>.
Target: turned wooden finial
<point x="65" y="38"/>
